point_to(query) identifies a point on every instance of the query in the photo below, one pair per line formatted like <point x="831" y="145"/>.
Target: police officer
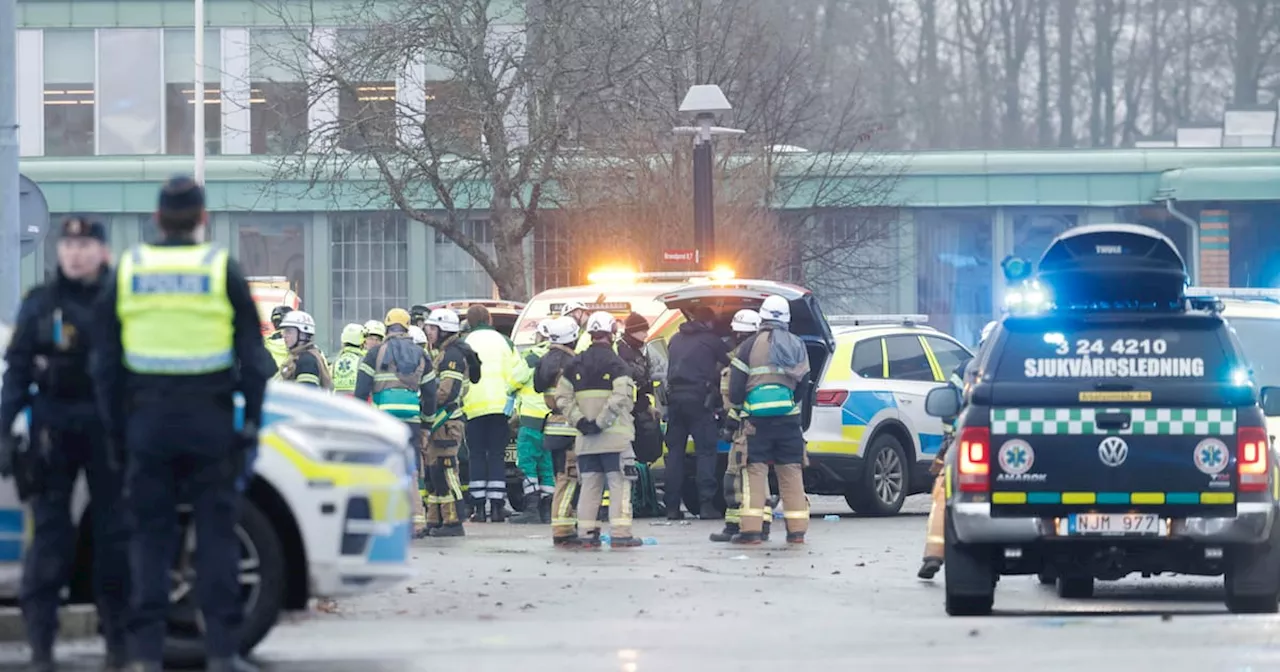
<point x="456" y="364"/>
<point x="770" y="375"/>
<point x="596" y="395"/>
<point x="275" y="340"/>
<point x="558" y="435"/>
<point x="696" y="355"/>
<point x="170" y="402"/>
<point x="347" y="364"/>
<point x="305" y="363"/>
<point x="50" y="350"/>
<point x="745" y="324"/>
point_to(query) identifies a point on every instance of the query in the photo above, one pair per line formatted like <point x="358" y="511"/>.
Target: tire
<point x="885" y="479"/>
<point x="1075" y="587"/>
<point x="1252" y="579"/>
<point x="184" y="645"/>
<point x="1047" y="576"/>
<point x="970" y="576"/>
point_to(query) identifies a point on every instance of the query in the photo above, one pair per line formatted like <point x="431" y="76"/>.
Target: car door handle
<point x="905" y="401"/>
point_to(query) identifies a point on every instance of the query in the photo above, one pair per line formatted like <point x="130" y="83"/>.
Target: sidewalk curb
<point x="77" y="621"/>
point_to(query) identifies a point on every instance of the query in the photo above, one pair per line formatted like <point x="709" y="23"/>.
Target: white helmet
<point x="561" y="330"/>
<point x="445" y="319"/>
<point x="299" y="320"/>
<point x="601" y="322"/>
<point x="775" y="308"/>
<point x="570" y="306"/>
<point x="544" y="327"/>
<point x="745" y="321"/>
<point x="375" y="328"/>
<point x="986" y="332"/>
<point x="352" y="334"/>
<point x="417" y="334"/>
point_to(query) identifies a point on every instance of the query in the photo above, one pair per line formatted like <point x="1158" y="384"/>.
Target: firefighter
<point x="770" y="375"/>
<point x="275" y="340"/>
<point x="596" y="395"/>
<point x="532" y="458"/>
<point x="558" y="435"/>
<point x="347" y="364"/>
<point x="305" y="363"/>
<point x="455" y="363"/>
<point x="375" y="333"/>
<point x="745" y="323"/>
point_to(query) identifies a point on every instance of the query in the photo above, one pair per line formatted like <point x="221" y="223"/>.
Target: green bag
<point x="645" y="502"/>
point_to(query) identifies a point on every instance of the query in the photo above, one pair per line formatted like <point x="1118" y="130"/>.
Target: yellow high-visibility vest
<point x="162" y="291"/>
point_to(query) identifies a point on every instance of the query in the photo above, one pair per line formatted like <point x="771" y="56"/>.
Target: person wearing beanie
<point x="176" y="397"/>
<point x="647" y="446"/>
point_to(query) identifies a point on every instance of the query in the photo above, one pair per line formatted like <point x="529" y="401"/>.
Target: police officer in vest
<point x="346" y="364"/>
<point x="169" y="402"/>
<point x="770" y="376"/>
<point x="457" y="366"/>
<point x="50" y="350"/>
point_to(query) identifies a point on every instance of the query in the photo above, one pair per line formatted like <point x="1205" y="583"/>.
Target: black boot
<point x="726" y="534"/>
<point x="530" y="515"/>
<point x="625" y="542"/>
<point x="795" y="537"/>
<point x="497" y="511"/>
<point x="589" y="541"/>
<point x="570" y="541"/>
<point x="232" y="664"/>
<point x="478" y="511"/>
<point x="544" y="510"/>
<point x="929" y="568"/>
<point x="675" y="513"/>
<point x="764" y="529"/>
<point x="747" y="539"/>
<point x="454" y="530"/>
<point x="710" y="512"/>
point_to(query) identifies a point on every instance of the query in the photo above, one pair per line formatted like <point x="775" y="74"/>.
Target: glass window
<point x="868" y="358"/>
<point x="948" y="354"/>
<point x="907" y="360"/>
<point x="278" y="92"/>
<point x="370" y="260"/>
<point x="458" y="274"/>
<point x="68" y="92"/>
<point x="1032" y="232"/>
<point x="129" y="91"/>
<point x="367" y="108"/>
<point x="274" y="245"/>
<point x="450" y="121"/>
<point x="179" y="91"/>
<point x="954" y="270"/>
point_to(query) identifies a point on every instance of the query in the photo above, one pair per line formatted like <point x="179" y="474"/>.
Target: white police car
<point x="1254" y="317"/>
<point x="327" y="514"/>
<point x="870" y="439"/>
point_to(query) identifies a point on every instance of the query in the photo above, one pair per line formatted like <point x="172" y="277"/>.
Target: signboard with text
<point x="679" y="256"/>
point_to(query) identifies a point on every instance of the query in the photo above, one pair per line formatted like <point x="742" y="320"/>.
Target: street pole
<point x="10" y="226"/>
<point x="199" y="82"/>
<point x="704" y="239"/>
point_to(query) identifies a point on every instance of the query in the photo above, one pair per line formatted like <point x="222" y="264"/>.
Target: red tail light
<point x="832" y="397"/>
<point x="1251" y="458"/>
<point x="974" y="460"/>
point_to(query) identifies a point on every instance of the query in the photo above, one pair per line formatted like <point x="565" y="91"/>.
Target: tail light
<point x="831" y="397"/>
<point x="974" y="460"/>
<point x="1252" y="447"/>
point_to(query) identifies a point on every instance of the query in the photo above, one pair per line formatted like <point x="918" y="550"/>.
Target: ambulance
<point x="268" y="292"/>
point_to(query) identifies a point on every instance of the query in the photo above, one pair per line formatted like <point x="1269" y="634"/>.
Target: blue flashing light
<point x="1016" y="269"/>
<point x="1241" y="377"/>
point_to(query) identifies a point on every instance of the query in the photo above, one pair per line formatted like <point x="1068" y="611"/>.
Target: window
<point x="451" y="124"/>
<point x="907" y="360"/>
<point x="458" y="274"/>
<point x="277" y="92"/>
<point x="367" y="107"/>
<point x="370" y="257"/>
<point x="1033" y="231"/>
<point x="868" y="358"/>
<point x="68" y="92"/>
<point x="954" y="270"/>
<point x="274" y="245"/>
<point x="129" y="93"/>
<point x="948" y="354"/>
<point x="179" y="92"/>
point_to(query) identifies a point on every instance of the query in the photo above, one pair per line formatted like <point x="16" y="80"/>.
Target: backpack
<point x="648" y="442"/>
<point x="645" y="502"/>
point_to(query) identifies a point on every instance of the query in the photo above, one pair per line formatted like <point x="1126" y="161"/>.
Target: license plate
<point x="510" y="455"/>
<point x="1114" y="524"/>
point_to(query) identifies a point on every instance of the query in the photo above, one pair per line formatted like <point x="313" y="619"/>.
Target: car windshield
<point x="1257" y="337"/>
<point x="642" y="302"/>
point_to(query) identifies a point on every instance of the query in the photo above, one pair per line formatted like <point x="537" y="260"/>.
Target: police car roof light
<point x="872" y="318"/>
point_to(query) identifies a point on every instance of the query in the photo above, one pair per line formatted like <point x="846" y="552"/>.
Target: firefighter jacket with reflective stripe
<point x="306" y="366"/>
<point x="533" y="408"/>
<point x="397" y="376"/>
<point x="164" y="291"/>
<point x="489" y="396"/>
<point x="545" y="378"/>
<point x="346" y="366"/>
<point x="454" y="379"/>
<point x="597" y="386"/>
<point x="760" y="388"/>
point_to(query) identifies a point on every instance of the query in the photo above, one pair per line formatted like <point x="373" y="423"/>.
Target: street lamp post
<point x="704" y="101"/>
<point x="198" y="118"/>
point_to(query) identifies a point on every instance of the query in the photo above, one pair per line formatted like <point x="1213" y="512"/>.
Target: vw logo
<point x="1113" y="451"/>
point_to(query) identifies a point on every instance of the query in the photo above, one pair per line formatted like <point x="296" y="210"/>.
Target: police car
<point x="871" y="440"/>
<point x="1254" y="317"/>
<point x="327" y="514"/>
<point x="1112" y="429"/>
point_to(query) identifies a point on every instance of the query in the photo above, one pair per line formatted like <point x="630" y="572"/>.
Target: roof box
<point x="1117" y="264"/>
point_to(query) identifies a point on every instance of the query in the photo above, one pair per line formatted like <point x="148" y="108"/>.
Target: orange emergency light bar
<point x="624" y="277"/>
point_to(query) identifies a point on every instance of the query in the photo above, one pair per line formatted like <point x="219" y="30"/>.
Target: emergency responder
<point x="745" y="324"/>
<point x="485" y="406"/>
<point x="172" y="399"/>
<point x="696" y="356"/>
<point x="532" y="459"/>
<point x="275" y="340"/>
<point x="935" y="540"/>
<point x="50" y="351"/>
<point x="418" y="336"/>
<point x="306" y="363"/>
<point x="558" y="435"/>
<point x="454" y="362"/>
<point x="375" y="333"/>
<point x="769" y="378"/>
<point x="418" y="314"/>
<point x="597" y="395"/>
<point x="347" y="364"/>
<point x="397" y="376"/>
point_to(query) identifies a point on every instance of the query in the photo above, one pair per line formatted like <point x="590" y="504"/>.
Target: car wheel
<point x="884" y="482"/>
<point x="970" y="576"/>
<point x="1252" y="577"/>
<point x="262" y="585"/>
<point x="1075" y="587"/>
<point x="1047" y="576"/>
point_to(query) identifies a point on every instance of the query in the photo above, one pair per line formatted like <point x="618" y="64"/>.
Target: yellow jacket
<point x="533" y="405"/>
<point x="275" y="345"/>
<point x="497" y="359"/>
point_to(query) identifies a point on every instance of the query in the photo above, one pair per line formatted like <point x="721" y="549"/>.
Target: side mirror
<point x="1271" y="401"/>
<point x="943" y="402"/>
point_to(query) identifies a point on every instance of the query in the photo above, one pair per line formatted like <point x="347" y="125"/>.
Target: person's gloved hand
<point x="588" y="427"/>
<point x="730" y="427"/>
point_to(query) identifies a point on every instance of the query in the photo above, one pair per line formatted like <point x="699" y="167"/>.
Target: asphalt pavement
<point x="503" y="599"/>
